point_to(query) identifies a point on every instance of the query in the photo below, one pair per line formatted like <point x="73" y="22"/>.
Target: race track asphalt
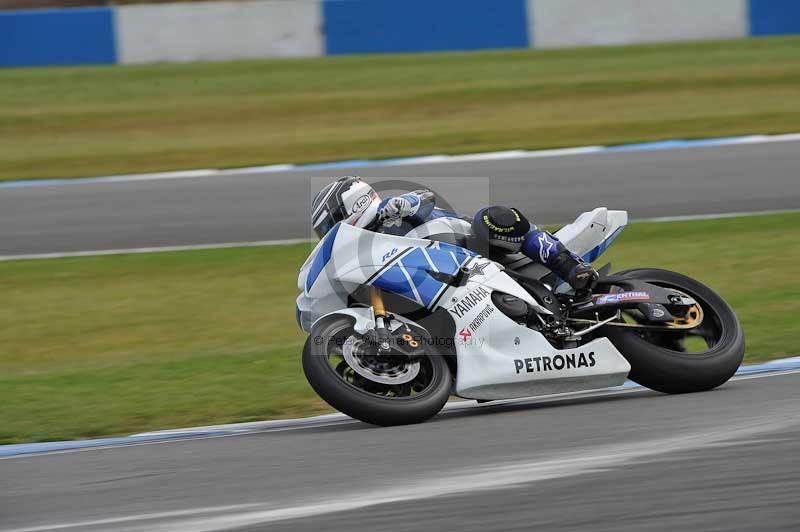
<point x="251" y="206"/>
<point x="723" y="460"/>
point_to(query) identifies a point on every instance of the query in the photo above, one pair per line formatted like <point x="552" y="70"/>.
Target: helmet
<point x="348" y="199"/>
<point x="501" y="227"/>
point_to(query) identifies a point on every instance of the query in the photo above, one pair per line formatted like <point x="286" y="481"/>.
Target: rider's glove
<point x="395" y="209"/>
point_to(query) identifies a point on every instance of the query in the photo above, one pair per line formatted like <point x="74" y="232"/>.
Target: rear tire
<point x="361" y="404"/>
<point x="670" y="371"/>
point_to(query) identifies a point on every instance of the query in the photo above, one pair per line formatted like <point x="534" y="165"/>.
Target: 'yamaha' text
<point x="469" y="301"/>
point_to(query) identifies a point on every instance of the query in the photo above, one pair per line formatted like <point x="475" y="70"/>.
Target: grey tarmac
<point x="719" y="460"/>
<point x="250" y="206"/>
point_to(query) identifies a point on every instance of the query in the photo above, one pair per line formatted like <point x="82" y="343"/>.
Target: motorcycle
<point x="397" y="324"/>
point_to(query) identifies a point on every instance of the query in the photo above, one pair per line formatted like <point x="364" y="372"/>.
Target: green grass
<point x="120" y="344"/>
<point x="67" y="122"/>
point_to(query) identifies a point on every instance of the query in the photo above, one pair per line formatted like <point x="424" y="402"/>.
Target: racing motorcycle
<point x="397" y="324"/>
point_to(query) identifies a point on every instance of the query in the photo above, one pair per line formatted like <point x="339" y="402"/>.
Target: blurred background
<point x="220" y="101"/>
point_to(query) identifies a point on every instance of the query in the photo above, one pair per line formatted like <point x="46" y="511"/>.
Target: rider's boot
<point x="543" y="247"/>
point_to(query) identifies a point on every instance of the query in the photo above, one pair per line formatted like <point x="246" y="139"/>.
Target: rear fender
<point x="592" y="232"/>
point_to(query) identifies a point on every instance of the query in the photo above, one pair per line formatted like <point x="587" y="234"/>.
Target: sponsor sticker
<point x="545" y="247"/>
<point x="622" y="297"/>
<point x="467" y="338"/>
<point x="480" y="318"/>
<point x="361" y="203"/>
<point x="469" y="301"/>
<point x="477" y="269"/>
<point x="555" y="363"/>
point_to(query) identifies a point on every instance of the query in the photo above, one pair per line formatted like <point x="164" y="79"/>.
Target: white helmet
<point x="348" y="199"/>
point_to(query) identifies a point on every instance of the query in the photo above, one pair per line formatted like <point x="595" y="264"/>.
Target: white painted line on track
<point x="714" y="216"/>
<point x="260" y="243"/>
<point x="406" y="161"/>
<point x="138" y="517"/>
<point x="455" y="406"/>
<point x="490" y="476"/>
<point x="154" y="249"/>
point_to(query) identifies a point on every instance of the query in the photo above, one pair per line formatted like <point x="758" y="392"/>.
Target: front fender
<point x="365" y="319"/>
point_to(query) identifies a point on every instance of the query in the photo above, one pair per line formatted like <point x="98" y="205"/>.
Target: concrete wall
<point x="218" y="30"/>
<point x="296" y="28"/>
<point x="560" y="23"/>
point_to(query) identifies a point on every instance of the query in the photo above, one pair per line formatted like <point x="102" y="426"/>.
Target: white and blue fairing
<point x="349" y="257"/>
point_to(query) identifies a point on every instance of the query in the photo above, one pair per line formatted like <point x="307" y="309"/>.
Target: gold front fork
<point x="383" y="334"/>
<point x="376" y="300"/>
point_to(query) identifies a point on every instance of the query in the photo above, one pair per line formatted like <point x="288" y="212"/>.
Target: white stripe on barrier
<point x="569" y="23"/>
<point x="218" y="31"/>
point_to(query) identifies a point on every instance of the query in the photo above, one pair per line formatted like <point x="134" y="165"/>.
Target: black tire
<point x="365" y="406"/>
<point x="670" y="371"/>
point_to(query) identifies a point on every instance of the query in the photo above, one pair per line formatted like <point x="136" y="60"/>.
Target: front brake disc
<point x="384" y="369"/>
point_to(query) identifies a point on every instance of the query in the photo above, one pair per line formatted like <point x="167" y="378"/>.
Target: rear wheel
<point x="378" y="389"/>
<point x="685" y="360"/>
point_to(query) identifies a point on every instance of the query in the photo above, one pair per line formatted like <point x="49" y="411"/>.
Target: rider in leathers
<point x="503" y="228"/>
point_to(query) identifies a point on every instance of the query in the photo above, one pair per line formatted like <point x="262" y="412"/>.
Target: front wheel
<point x="381" y="390"/>
<point x="693" y="360"/>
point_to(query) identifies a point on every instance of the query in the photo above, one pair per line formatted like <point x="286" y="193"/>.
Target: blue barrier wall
<point x="774" y="17"/>
<point x="57" y="37"/>
<point x="382" y="26"/>
<point x="228" y="30"/>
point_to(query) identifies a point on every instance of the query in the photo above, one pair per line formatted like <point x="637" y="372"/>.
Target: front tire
<point x="660" y="363"/>
<point x="337" y="384"/>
